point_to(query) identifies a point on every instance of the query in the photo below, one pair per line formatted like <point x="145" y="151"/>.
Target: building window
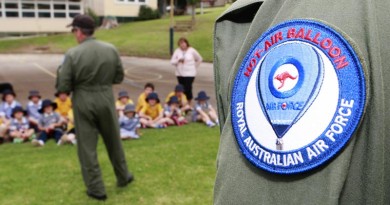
<point x="43" y="6"/>
<point x="40" y="8"/>
<point x="11" y="6"/>
<point x="59" y="15"/>
<point x="73" y="14"/>
<point x="59" y="6"/>
<point x="28" y="6"/>
<point x="131" y="1"/>
<point x="74" y="7"/>
<point x="28" y="14"/>
<point x="44" y="15"/>
<point x="12" y="14"/>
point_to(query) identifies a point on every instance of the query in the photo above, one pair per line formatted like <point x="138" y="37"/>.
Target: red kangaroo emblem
<point x="283" y="77"/>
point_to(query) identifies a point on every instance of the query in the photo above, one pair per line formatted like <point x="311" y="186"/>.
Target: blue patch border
<point x="348" y="78"/>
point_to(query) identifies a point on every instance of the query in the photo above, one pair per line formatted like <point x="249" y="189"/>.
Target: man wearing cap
<point x="89" y="70"/>
<point x="284" y="74"/>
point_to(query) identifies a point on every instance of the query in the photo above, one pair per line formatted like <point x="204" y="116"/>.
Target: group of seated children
<point x="42" y="119"/>
<point x="150" y="113"/>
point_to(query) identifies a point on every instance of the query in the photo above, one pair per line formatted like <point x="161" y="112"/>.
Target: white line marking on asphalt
<point x="141" y="79"/>
<point x="45" y="70"/>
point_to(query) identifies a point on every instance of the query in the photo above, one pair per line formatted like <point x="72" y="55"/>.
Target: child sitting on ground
<point x="123" y="100"/>
<point x="204" y="111"/>
<point x="152" y="114"/>
<point x="3" y="130"/>
<point x="64" y="104"/>
<point x="148" y="88"/>
<point x="173" y="112"/>
<point x="19" y="129"/>
<point x="50" y="124"/>
<point x="70" y="136"/>
<point x="181" y="97"/>
<point x="33" y="106"/>
<point x="129" y="123"/>
<point x="8" y="104"/>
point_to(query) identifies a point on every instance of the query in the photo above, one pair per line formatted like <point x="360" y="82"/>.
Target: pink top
<point x="192" y="60"/>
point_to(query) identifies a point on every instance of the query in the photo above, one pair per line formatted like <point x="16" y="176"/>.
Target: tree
<point x="193" y="3"/>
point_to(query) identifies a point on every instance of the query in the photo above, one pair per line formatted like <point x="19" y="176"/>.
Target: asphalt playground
<point x="38" y="71"/>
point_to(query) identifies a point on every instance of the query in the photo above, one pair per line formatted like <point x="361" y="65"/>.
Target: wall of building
<point x="126" y="8"/>
<point x="37" y="16"/>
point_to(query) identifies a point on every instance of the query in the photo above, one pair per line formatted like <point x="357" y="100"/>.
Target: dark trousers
<point x="187" y="84"/>
<point x="56" y="134"/>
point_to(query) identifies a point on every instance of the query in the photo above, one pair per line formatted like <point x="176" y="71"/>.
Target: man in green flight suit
<point x="88" y="71"/>
<point x="301" y="88"/>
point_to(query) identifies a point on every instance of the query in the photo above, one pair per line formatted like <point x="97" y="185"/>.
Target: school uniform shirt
<point x="47" y="119"/>
<point x="141" y="102"/>
<point x="119" y="103"/>
<point x="33" y="109"/>
<point x="6" y="109"/>
<point x="63" y="107"/>
<point x="173" y="112"/>
<point x="205" y="107"/>
<point x="17" y="125"/>
<point x="182" y="99"/>
<point x="152" y="111"/>
<point x="71" y="120"/>
<point x="359" y="173"/>
<point x="129" y="124"/>
<point x="192" y="60"/>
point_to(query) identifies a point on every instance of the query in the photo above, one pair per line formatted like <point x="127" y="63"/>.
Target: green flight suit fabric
<point x="88" y="71"/>
<point x="360" y="173"/>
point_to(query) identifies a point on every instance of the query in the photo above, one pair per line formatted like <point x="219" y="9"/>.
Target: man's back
<point x="96" y="63"/>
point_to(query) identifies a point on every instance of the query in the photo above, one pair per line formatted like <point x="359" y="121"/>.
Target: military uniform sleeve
<point x="119" y="73"/>
<point x="64" y="75"/>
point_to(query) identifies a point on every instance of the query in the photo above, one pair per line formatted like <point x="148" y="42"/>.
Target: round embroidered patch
<point x="298" y="97"/>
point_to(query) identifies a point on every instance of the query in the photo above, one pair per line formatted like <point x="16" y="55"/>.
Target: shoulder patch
<point x="298" y="97"/>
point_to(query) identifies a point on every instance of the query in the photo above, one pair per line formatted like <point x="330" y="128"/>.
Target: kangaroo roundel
<point x="298" y="97"/>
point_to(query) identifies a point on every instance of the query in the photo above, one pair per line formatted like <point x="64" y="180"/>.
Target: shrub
<point x="93" y="15"/>
<point x="147" y="13"/>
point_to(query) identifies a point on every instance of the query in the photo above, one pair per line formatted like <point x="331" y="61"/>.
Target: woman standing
<point x="186" y="59"/>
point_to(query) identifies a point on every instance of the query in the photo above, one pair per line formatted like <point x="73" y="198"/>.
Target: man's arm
<point x="119" y="73"/>
<point x="64" y="75"/>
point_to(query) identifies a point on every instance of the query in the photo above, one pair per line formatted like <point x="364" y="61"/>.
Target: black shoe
<point x="129" y="180"/>
<point x="97" y="197"/>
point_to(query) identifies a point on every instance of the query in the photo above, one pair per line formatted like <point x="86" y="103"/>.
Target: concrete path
<point x="38" y="71"/>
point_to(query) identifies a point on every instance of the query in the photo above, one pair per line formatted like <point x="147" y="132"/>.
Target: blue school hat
<point x="179" y="88"/>
<point x="122" y="94"/>
<point x="47" y="103"/>
<point x="202" y="96"/>
<point x="8" y="92"/>
<point x="173" y="99"/>
<point x="129" y="108"/>
<point x="153" y="96"/>
<point x="34" y="93"/>
<point x="17" y="109"/>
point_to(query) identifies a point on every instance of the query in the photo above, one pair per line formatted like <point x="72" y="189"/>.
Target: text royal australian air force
<point x="315" y="150"/>
<point x="325" y="43"/>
